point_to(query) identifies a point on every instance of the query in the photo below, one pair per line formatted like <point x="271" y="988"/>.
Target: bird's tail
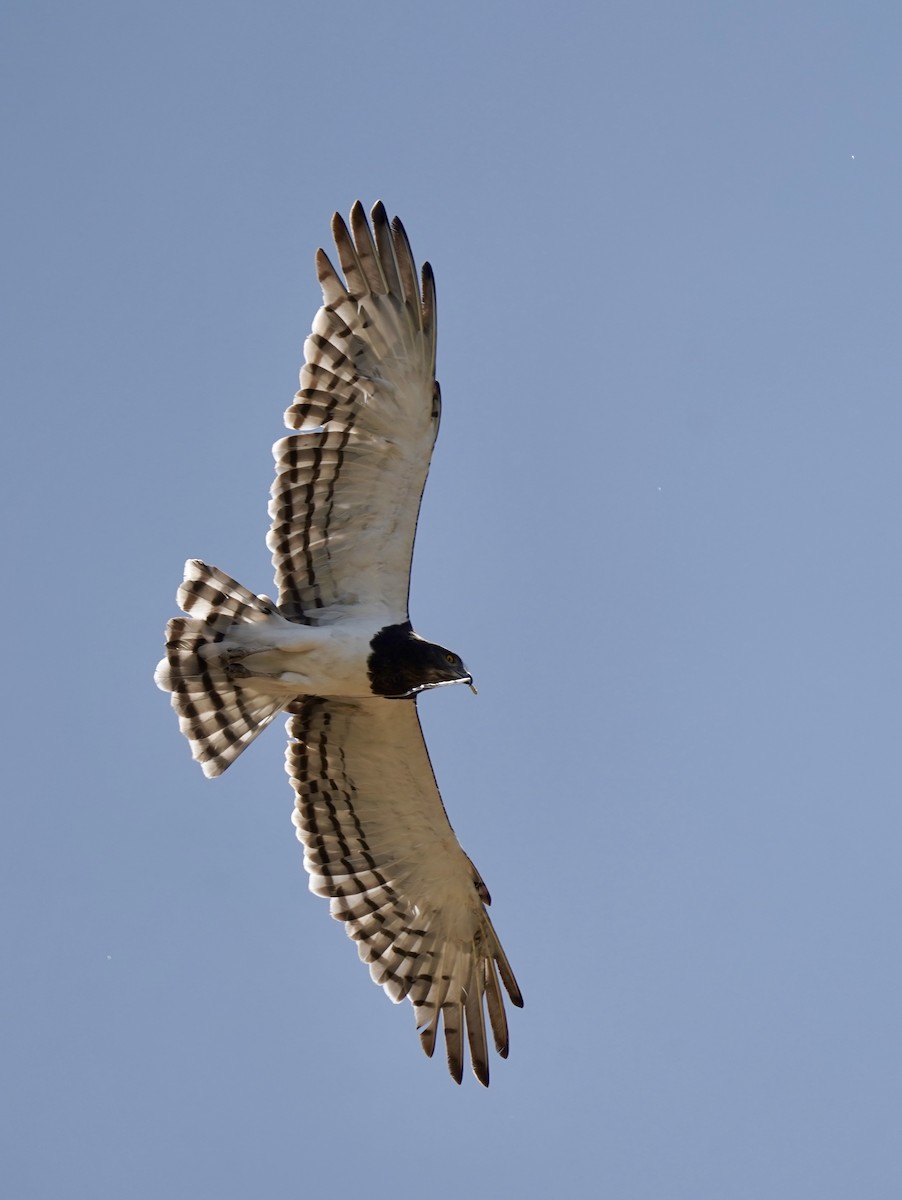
<point x="217" y="715"/>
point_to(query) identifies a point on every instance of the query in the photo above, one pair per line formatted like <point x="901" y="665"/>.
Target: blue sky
<point x="662" y="528"/>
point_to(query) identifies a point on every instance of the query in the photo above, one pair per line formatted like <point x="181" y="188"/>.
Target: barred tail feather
<point x="217" y="716"/>
<point x="208" y="592"/>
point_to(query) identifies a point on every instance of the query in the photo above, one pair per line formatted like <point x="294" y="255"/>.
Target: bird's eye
<point x="451" y="658"/>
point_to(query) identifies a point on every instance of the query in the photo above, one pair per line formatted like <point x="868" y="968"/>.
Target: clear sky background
<point x="662" y="528"/>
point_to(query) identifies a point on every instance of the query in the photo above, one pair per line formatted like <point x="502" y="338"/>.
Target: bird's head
<point x="440" y="665"/>
<point x="402" y="664"/>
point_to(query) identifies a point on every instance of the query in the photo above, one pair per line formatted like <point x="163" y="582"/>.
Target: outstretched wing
<point x="348" y="485"/>
<point x="378" y="844"/>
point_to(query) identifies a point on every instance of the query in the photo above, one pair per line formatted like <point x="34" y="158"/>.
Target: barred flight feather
<point x="378" y="844"/>
<point x="348" y="484"/>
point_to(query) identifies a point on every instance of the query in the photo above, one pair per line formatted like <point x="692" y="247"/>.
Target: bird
<point x="336" y="651"/>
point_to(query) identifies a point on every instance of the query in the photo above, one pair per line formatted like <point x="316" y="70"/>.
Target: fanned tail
<point x="217" y="715"/>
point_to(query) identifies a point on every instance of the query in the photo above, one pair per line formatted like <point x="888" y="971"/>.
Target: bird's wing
<point x="348" y="485"/>
<point x="378" y="844"/>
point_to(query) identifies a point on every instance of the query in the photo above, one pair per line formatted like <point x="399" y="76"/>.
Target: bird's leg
<point x="235" y="670"/>
<point x="233" y="665"/>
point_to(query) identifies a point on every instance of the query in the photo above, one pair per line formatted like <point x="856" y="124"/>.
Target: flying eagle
<point x="338" y="653"/>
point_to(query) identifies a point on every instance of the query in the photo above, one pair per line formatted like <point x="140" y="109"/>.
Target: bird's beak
<point x="473" y="687"/>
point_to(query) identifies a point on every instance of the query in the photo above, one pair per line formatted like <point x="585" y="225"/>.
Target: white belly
<point x="285" y="659"/>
